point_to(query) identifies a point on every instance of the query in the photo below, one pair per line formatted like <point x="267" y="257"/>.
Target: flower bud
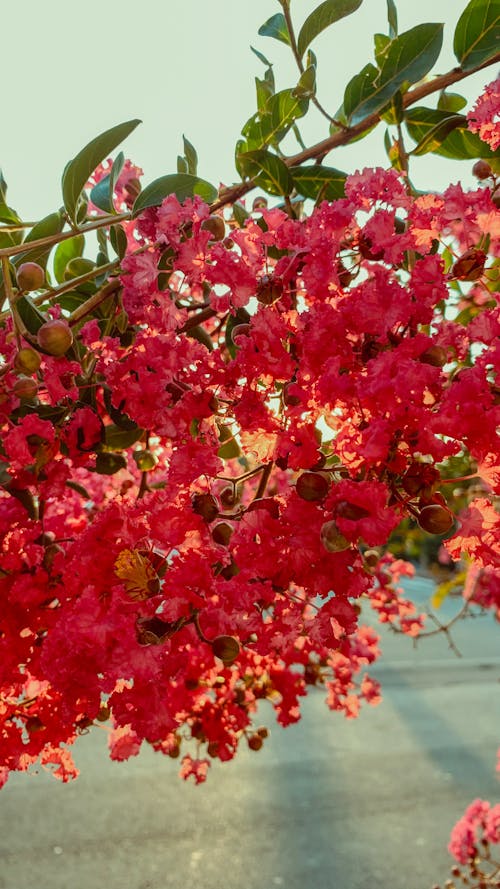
<point x="435" y="356"/>
<point x="351" y="511"/>
<point x="27" y="361"/>
<point x="469" y="266"/>
<point x="435" y="519"/>
<point x="227" y="648"/>
<point x="332" y="539"/>
<point x="206" y="506"/>
<point x="30" y="276"/>
<point x="55" y="337"/>
<point x="216" y="226"/>
<point x="144" y="460"/>
<point x="482" y="170"/>
<point x="221" y="533"/>
<point x="255" y="742"/>
<point x="269" y="290"/>
<point x="312" y="486"/>
<point x="25" y="388"/>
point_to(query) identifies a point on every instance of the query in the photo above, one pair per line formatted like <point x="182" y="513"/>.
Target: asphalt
<point x="326" y="804"/>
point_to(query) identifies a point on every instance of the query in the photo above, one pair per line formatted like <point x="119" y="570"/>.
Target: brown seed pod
<point x="216" y="226"/>
<point x="482" y="170"/>
<point x="332" y="539"/>
<point x="55" y="337"/>
<point x="352" y="511"/>
<point x="469" y="266"/>
<point x="25" y="388"/>
<point x="226" y="648"/>
<point x="269" y="290"/>
<point x="435" y="356"/>
<point x="221" y="533"/>
<point x="206" y="506"/>
<point x="30" y="276"/>
<point x="435" y="519"/>
<point x="27" y="361"/>
<point x="312" y="486"/>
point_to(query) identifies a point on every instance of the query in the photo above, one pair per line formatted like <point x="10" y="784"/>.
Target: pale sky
<point x="72" y="70"/>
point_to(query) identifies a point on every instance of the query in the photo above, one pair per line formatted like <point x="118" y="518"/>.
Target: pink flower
<point x="484" y="118"/>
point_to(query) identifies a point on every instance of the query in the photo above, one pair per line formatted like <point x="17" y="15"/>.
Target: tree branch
<point x="320" y="149"/>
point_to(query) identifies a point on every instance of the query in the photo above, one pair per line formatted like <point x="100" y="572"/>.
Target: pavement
<point x="326" y="804"/>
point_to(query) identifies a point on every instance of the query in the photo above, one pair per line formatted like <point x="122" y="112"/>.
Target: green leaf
<point x="313" y="181"/>
<point x="65" y="251"/>
<point x="191" y="157"/>
<point x="102" y="194"/>
<point x="408" y="58"/>
<point x="118" y="240"/>
<point x="182" y="166"/>
<point x="435" y="137"/>
<point x="50" y="225"/>
<point x="477" y="35"/>
<point x="322" y="17"/>
<point x="264" y="90"/>
<point x="229" y="447"/>
<point x="451" y="102"/>
<point x="202" y="336"/>
<point x="3" y="188"/>
<point x="183" y="185"/>
<point x="392" y="18"/>
<point x="306" y="87"/>
<point x="276" y="27"/>
<point x="108" y="463"/>
<point x="381" y="45"/>
<point x="262" y="57"/>
<point x="270" y="126"/>
<point x="7" y="215"/>
<point x="29" y="314"/>
<point x="267" y="170"/>
<point x="240" y="214"/>
<point x="78" y="170"/>
<point x="118" y="439"/>
<point x="459" y="144"/>
<point x="284" y="109"/>
<point x="359" y="89"/>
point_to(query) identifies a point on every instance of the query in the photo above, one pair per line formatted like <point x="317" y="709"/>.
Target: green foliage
<point x="316" y="181"/>
<point x="266" y="170"/>
<point x="406" y="60"/>
<point x="276" y="27"/>
<point x="78" y="170"/>
<point x="392" y="18"/>
<point x="183" y="185"/>
<point x="269" y="125"/>
<point x="29" y="314"/>
<point x="458" y="145"/>
<point x="50" y="225"/>
<point x="65" y="252"/>
<point x="322" y="17"/>
<point x="102" y="193"/>
<point x="435" y="137"/>
<point x="118" y="240"/>
<point x="477" y="35"/>
<point x="451" y="102"/>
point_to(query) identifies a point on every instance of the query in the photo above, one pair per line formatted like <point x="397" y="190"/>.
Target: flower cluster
<point x="201" y="475"/>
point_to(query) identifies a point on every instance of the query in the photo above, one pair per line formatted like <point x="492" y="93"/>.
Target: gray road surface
<point x="327" y="804"/>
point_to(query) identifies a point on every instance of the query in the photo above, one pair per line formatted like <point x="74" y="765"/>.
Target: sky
<point x="71" y="71"/>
